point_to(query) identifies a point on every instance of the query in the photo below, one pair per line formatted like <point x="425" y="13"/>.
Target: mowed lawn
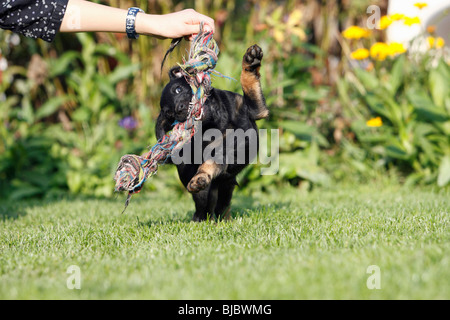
<point x="289" y="245"/>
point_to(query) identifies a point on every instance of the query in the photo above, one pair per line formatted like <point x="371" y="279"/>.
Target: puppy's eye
<point x="178" y="90"/>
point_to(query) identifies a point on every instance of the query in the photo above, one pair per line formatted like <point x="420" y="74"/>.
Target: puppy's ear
<point x="173" y="44"/>
<point x="175" y="73"/>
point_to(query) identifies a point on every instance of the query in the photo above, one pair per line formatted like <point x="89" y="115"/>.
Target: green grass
<point x="291" y="245"/>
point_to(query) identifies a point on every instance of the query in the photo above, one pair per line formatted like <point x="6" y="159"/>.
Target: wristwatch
<point x="131" y="22"/>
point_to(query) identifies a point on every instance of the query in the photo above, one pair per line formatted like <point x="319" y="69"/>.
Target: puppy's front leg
<point x="205" y="174"/>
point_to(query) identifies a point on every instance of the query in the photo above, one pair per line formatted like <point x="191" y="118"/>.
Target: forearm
<point x="84" y="16"/>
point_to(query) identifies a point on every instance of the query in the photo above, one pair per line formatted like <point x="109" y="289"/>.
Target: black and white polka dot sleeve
<point x="32" y="18"/>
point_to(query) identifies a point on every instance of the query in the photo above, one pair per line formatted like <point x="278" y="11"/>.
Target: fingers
<point x="191" y="29"/>
<point x="209" y="23"/>
<point x="194" y="19"/>
<point x="190" y="37"/>
<point x="185" y="23"/>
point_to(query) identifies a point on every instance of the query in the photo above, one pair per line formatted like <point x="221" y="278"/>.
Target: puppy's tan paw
<point x="199" y="182"/>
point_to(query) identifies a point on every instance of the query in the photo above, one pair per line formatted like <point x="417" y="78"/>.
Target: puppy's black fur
<point x="210" y="183"/>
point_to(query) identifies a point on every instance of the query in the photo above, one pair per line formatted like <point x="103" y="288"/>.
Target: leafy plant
<point x="408" y="95"/>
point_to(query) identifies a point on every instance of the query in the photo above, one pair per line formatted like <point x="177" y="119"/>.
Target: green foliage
<point x="78" y="152"/>
<point x="412" y="98"/>
<point x="61" y="103"/>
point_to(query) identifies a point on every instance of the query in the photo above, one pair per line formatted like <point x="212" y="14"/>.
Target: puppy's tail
<point x="173" y="45"/>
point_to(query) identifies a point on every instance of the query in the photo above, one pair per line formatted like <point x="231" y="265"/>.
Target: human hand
<point x="185" y="23"/>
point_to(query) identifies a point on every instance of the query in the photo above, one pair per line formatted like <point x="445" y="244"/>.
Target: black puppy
<point x="212" y="182"/>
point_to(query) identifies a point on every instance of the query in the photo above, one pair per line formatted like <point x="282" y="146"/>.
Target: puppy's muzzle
<point x="180" y="109"/>
<point x="181" y="112"/>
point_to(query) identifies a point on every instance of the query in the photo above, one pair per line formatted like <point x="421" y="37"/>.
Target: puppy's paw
<point x="252" y="58"/>
<point x="199" y="182"/>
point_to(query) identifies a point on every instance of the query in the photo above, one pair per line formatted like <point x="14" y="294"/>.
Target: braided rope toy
<point x="133" y="170"/>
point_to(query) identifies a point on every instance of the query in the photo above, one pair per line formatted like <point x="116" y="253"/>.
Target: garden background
<point x="71" y="108"/>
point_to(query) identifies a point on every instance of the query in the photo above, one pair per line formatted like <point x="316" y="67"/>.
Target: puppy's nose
<point x="179" y="108"/>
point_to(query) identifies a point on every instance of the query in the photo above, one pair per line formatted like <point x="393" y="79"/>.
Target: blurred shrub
<point x="399" y="103"/>
<point x="61" y="121"/>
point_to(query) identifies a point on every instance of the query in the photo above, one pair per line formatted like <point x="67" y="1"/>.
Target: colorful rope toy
<point x="133" y="170"/>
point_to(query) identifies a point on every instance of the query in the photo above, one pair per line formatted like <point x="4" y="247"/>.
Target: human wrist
<point x="145" y="24"/>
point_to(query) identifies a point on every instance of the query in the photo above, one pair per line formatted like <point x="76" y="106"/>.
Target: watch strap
<point x="131" y="22"/>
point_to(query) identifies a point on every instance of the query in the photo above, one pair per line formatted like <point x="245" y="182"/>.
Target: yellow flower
<point x="410" y="21"/>
<point x="299" y="33"/>
<point x="295" y="17"/>
<point x="360" y="54"/>
<point x="397" y="16"/>
<point x="396" y="48"/>
<point x="420" y="5"/>
<point x="440" y="42"/>
<point x="379" y="51"/>
<point x="385" y="22"/>
<point x="278" y="34"/>
<point x="375" y="122"/>
<point x="355" y="32"/>
<point x="437" y="43"/>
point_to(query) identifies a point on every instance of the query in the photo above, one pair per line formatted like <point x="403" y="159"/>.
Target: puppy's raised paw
<point x="252" y="58"/>
<point x="199" y="182"/>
